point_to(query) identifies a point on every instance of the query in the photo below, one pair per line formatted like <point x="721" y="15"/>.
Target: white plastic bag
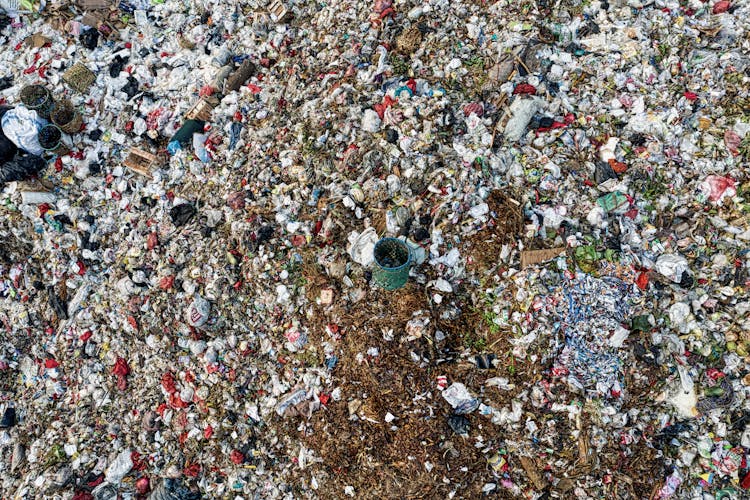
<point x="21" y="126"/>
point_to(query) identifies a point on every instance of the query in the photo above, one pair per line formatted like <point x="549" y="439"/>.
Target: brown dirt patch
<point x="505" y="226"/>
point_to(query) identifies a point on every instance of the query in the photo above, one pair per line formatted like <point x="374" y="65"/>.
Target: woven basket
<point x="392" y="262"/>
<point x="57" y="147"/>
<point x="38" y="98"/>
<point x="65" y="116"/>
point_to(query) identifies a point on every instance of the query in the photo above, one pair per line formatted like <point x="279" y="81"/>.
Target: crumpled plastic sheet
<point x="21" y="126"/>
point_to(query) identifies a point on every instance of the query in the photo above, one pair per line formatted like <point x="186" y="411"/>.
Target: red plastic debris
<point x="237" y="457"/>
<point x="121" y="367"/>
<point x="43" y="209"/>
<point x="142" y="486"/>
<point x="732" y="141"/>
<point x="475" y="108"/>
<point x="121" y="370"/>
<point x="718" y="185"/>
<point x="524" y="89"/>
<point x="167" y="381"/>
<point x="139" y="463"/>
<point x="176" y="402"/>
<point x="192" y="470"/>
<point x="380" y="108"/>
<point x="567" y="120"/>
<point x="96" y="482"/>
<point x="166" y="282"/>
<point x="133" y="322"/>
<point x="721" y="7"/>
<point x="642" y="281"/>
<point x="618" y="166"/>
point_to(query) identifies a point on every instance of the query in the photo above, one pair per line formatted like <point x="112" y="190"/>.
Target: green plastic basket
<point x="392" y="263"/>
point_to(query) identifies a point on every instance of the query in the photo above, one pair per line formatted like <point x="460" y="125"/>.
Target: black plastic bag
<point x="117" y="65"/>
<point x="57" y="304"/>
<point x="603" y="172"/>
<point x="9" y="418"/>
<point x="131" y="88"/>
<point x="89" y="38"/>
<point x="6" y="82"/>
<point x="181" y="214"/>
<point x="21" y="167"/>
<point x="7" y="149"/>
<point x="459" y="424"/>
<point x="264" y="234"/>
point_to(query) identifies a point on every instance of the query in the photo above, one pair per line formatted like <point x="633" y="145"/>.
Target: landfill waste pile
<point x="379" y="249"/>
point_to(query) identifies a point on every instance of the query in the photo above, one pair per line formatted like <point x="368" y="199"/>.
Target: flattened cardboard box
<point x="93" y="4"/>
<point x="531" y="257"/>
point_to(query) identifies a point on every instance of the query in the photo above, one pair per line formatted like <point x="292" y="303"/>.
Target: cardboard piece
<point x="94" y="21"/>
<point x="531" y="257"/>
<point x="36" y="41"/>
<point x="94" y="4"/>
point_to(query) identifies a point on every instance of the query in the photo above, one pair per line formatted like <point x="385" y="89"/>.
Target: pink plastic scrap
<point x="717" y="188"/>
